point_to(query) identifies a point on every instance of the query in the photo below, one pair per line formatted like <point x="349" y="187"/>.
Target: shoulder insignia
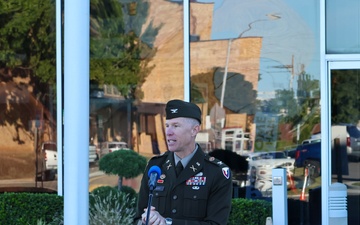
<point x="226" y="172"/>
<point x="214" y="160"/>
<point x="224" y="168"/>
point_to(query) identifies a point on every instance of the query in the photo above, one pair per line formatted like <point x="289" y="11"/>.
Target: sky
<point x="290" y="29"/>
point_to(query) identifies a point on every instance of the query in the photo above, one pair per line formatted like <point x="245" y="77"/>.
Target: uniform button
<point x="175" y="197"/>
<point x="173" y="211"/>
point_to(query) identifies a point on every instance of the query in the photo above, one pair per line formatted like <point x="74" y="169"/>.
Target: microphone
<point x="153" y="174"/>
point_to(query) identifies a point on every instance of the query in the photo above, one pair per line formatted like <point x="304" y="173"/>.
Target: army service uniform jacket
<point x="200" y="195"/>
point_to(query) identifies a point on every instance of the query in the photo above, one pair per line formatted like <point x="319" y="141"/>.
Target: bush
<point x="28" y="208"/>
<point x="249" y="212"/>
<point x="131" y="192"/>
<point x="107" y="206"/>
<point x="104" y="191"/>
<point x="114" y="209"/>
<point x="101" y="192"/>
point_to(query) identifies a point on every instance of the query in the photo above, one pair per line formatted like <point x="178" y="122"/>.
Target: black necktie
<point x="179" y="167"/>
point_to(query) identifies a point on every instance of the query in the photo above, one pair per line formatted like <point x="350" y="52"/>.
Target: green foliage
<point x="345" y="96"/>
<point x="104" y="191"/>
<point x="124" y="163"/>
<point x="107" y="206"/>
<point x="29" y="208"/>
<point x="116" y="48"/>
<point x="249" y="212"/>
<point x="130" y="191"/>
<point x="101" y="192"/>
<point x="27" y="38"/>
<point x="116" y="208"/>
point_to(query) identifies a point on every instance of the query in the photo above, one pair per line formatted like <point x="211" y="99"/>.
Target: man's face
<point x="179" y="135"/>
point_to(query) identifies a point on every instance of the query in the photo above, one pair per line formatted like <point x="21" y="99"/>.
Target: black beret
<point x="178" y="108"/>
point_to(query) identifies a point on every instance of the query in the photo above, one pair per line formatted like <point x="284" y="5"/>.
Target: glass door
<point x="345" y="131"/>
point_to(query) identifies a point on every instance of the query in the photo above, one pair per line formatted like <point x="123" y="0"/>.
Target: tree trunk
<point x="120" y="183"/>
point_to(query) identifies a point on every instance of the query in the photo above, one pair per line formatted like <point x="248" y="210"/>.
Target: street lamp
<point x="270" y="17"/>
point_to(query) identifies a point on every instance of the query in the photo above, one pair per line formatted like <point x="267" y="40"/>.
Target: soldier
<point x="201" y="192"/>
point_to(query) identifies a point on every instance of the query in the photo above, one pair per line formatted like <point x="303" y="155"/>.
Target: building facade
<point x="269" y="76"/>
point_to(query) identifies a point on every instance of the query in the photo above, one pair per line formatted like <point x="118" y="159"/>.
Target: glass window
<point x="255" y="73"/>
<point x="345" y="134"/>
<point x="136" y="66"/>
<point x="342" y="26"/>
<point x="27" y="95"/>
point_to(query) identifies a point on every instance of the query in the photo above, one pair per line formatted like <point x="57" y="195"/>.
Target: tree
<point x="124" y="163"/>
<point x="345" y="96"/>
<point x="235" y="84"/>
<point x="119" y="56"/>
<point x="27" y="40"/>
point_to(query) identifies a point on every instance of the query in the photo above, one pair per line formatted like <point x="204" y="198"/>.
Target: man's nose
<point x="169" y="132"/>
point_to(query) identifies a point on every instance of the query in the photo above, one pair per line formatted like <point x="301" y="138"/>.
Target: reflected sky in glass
<point x="343" y="26"/>
<point x="290" y="31"/>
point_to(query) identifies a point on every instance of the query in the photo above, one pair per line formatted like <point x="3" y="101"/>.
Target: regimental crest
<point x="226" y="172"/>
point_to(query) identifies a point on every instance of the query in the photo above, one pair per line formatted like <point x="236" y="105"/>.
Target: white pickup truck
<point x="47" y="161"/>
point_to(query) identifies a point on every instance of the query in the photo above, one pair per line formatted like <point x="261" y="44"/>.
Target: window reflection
<point x="345" y="135"/>
<point x="27" y="95"/>
<point x="256" y="78"/>
<point x="342" y="27"/>
<point x="136" y="66"/>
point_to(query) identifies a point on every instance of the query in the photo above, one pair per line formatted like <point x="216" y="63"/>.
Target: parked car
<point x="261" y="165"/>
<point x="47" y="161"/>
<point x="110" y="146"/>
<point x="92" y="153"/>
<point x="353" y="139"/>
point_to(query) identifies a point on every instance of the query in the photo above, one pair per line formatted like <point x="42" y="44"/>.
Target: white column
<point x="186" y="24"/>
<point x="279" y="196"/>
<point x="76" y="112"/>
<point x="59" y="98"/>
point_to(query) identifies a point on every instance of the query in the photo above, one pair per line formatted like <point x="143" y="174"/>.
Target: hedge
<point x="28" y="208"/>
<point x="249" y="212"/>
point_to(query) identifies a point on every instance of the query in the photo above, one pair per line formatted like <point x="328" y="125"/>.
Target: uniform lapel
<point x="168" y="167"/>
<point x="193" y="167"/>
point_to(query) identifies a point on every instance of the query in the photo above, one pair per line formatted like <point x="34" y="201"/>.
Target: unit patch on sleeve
<point x="226" y="172"/>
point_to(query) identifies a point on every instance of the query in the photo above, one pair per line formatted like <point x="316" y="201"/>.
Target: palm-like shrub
<point x="112" y="209"/>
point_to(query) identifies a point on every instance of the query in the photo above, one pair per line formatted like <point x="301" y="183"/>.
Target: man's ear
<point x="195" y="130"/>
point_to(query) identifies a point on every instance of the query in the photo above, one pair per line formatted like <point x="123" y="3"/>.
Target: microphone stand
<point x="149" y="205"/>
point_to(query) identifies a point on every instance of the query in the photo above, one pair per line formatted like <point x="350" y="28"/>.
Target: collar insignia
<point x="193" y="168"/>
